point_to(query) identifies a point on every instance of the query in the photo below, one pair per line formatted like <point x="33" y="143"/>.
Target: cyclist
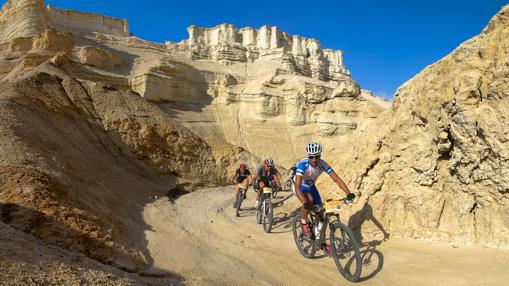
<point x="292" y="171"/>
<point x="308" y="171"/>
<point x="242" y="176"/>
<point x="266" y="175"/>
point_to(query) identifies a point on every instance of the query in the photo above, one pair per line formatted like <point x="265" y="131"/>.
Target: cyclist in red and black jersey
<point x="266" y="176"/>
<point x="243" y="177"/>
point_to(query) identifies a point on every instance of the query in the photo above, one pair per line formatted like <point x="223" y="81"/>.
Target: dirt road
<point x="199" y="238"/>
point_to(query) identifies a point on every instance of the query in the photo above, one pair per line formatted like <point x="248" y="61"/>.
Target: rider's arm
<point x="277" y="178"/>
<point x="298" y="191"/>
<point x="254" y="176"/>
<point x="339" y="182"/>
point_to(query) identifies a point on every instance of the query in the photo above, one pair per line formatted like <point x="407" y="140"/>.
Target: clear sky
<point x="385" y="42"/>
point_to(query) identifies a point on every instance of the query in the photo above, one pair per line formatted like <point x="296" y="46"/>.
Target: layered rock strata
<point x="25" y="18"/>
<point x="227" y="44"/>
<point x="225" y="84"/>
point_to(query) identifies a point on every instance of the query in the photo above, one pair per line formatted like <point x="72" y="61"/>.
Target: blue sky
<point x="385" y="42"/>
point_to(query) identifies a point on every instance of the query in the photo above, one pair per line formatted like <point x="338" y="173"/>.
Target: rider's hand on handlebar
<point x="350" y="197"/>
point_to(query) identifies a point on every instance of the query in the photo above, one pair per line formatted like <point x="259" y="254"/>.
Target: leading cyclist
<point x="308" y="171"/>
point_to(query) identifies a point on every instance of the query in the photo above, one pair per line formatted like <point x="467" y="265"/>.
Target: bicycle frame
<point x="327" y="220"/>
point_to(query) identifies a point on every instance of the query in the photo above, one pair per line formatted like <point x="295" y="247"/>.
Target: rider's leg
<point x="251" y="180"/>
<point x="245" y="183"/>
<point x="258" y="188"/>
<point x="261" y="185"/>
<point x="317" y="200"/>
<point x="235" y="196"/>
<point x="304" y="212"/>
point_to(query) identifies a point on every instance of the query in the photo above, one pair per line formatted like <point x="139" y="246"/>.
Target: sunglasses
<point x="313" y="157"/>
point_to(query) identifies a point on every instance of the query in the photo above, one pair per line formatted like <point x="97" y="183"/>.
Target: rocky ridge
<point x="434" y="166"/>
<point x="292" y="84"/>
<point x="227" y="44"/>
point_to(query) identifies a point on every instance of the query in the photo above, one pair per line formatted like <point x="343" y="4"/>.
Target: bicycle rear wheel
<point x="288" y="185"/>
<point x="306" y="243"/>
<point x="268" y="218"/>
<point x="239" y="201"/>
<point x="345" y="251"/>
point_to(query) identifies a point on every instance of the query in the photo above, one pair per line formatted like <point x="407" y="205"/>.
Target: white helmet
<point x="314" y="149"/>
<point x="269" y="162"/>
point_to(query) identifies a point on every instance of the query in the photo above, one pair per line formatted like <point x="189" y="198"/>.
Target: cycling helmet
<point x="243" y="166"/>
<point x="269" y="162"/>
<point x="314" y="149"/>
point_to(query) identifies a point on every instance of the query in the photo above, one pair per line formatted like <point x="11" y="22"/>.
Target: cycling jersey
<point x="309" y="173"/>
<point x="264" y="176"/>
<point x="240" y="177"/>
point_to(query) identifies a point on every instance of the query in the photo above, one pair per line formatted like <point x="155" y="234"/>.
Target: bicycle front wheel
<point x="345" y="251"/>
<point x="306" y="243"/>
<point x="239" y="202"/>
<point x="259" y="214"/>
<point x="268" y="216"/>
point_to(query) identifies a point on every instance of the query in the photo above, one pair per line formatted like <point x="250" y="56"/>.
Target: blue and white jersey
<point x="309" y="173"/>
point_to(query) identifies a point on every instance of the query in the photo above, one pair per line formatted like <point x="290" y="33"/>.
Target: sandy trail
<point x="199" y="238"/>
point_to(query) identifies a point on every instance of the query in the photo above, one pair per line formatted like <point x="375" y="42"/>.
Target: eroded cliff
<point x="435" y="165"/>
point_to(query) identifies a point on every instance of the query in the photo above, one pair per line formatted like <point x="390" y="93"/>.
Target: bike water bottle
<point x="319" y="228"/>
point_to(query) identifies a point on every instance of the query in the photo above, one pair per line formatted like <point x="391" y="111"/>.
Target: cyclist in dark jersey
<point x="292" y="171"/>
<point x="242" y="177"/>
<point x="266" y="175"/>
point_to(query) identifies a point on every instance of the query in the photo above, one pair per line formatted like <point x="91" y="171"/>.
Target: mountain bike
<point x="265" y="210"/>
<point x="290" y="185"/>
<point x="241" y="192"/>
<point x="343" y="245"/>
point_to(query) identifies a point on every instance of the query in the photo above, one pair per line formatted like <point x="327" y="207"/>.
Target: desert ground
<point x="198" y="236"/>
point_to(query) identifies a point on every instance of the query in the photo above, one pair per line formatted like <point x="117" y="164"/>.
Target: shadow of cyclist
<point x="372" y="259"/>
<point x="282" y="197"/>
<point x="357" y="220"/>
<point x="283" y="222"/>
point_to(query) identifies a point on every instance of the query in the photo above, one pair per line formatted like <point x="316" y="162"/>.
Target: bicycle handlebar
<point x="319" y="208"/>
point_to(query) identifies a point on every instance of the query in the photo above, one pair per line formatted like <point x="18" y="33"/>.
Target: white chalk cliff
<point x="263" y="89"/>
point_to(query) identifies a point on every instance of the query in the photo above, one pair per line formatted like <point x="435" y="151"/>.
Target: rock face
<point x="435" y="165"/>
<point x="81" y="158"/>
<point x="98" y="58"/>
<point x="244" y="87"/>
<point x="24" y="18"/>
<point x="226" y="44"/>
<point x="255" y="87"/>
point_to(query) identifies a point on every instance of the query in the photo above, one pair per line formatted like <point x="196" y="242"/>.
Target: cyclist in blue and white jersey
<point x="308" y="171"/>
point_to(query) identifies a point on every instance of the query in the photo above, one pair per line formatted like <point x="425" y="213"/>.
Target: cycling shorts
<point x="317" y="200"/>
<point x="266" y="181"/>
